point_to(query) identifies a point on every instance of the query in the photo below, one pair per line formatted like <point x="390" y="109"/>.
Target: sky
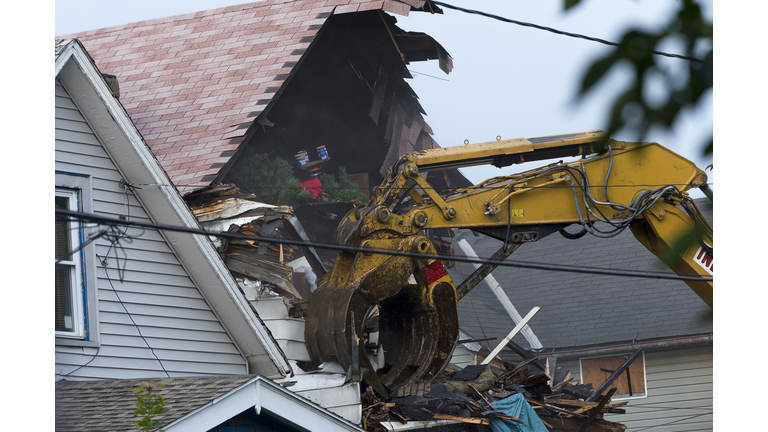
<point x="508" y="80"/>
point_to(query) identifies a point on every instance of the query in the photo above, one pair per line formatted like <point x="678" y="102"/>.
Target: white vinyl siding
<point x="679" y="387"/>
<point x="142" y="275"/>
<point x="462" y="357"/>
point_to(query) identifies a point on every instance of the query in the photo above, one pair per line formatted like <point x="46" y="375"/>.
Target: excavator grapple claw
<point x="406" y="331"/>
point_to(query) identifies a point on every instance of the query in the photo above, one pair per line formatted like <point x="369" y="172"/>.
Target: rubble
<point x="260" y="267"/>
<point x="469" y="398"/>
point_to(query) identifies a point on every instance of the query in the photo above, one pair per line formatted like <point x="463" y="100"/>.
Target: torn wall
<point x="349" y="94"/>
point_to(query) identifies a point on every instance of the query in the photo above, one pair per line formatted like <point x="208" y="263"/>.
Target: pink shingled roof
<point x="192" y="82"/>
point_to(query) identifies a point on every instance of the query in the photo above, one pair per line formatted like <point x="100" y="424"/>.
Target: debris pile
<point x="258" y="265"/>
<point x="479" y="395"/>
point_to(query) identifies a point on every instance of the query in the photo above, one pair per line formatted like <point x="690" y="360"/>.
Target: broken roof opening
<point x="348" y="94"/>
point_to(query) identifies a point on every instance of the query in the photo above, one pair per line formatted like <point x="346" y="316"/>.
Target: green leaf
<point x="629" y="111"/>
<point x="570" y="3"/>
<point x="596" y="72"/>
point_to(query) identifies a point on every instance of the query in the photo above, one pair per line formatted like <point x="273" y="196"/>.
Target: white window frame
<point x="88" y="334"/>
<point x="75" y="263"/>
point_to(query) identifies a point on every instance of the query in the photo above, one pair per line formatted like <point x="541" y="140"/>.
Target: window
<point x="69" y="266"/>
<point x="631" y="383"/>
<point x="75" y="276"/>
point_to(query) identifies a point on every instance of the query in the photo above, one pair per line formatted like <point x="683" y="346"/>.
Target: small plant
<point x="148" y="405"/>
<point x="334" y="191"/>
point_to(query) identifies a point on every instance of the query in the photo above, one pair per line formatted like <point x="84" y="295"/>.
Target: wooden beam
<point x="524" y="353"/>
<point x="475" y="420"/>
<point x="597" y="410"/>
<point x="512" y="334"/>
<point x="484" y="270"/>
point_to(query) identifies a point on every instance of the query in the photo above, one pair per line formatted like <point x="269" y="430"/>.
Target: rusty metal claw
<point x="417" y="322"/>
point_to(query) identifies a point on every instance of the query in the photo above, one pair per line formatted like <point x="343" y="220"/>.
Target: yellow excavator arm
<point x="614" y="186"/>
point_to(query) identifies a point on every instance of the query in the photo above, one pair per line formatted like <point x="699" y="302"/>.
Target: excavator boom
<point x="410" y="303"/>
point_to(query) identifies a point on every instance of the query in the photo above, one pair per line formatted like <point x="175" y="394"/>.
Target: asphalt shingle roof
<point x="190" y="83"/>
<point x="581" y="310"/>
<point x="108" y="405"/>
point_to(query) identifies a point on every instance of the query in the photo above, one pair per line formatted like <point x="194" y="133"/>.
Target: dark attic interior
<point x="347" y="96"/>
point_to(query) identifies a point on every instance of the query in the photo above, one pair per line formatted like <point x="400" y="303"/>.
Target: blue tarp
<point x="516" y="406"/>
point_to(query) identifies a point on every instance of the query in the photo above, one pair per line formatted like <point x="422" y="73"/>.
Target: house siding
<point x="679" y="386"/>
<point x="142" y="276"/>
<point x="462" y="357"/>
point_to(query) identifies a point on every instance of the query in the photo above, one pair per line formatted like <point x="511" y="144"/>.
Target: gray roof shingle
<point x="108" y="405"/>
<point x="580" y="310"/>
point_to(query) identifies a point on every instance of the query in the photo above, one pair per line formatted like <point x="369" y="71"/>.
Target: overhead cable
<point x="537" y="266"/>
<point x="560" y="32"/>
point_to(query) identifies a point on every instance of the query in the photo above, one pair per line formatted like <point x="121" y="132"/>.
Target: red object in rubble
<point x="313" y="187"/>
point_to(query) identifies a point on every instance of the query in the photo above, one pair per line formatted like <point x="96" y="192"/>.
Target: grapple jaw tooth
<point x="418" y="323"/>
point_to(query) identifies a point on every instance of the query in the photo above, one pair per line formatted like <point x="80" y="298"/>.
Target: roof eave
<point x="263" y="395"/>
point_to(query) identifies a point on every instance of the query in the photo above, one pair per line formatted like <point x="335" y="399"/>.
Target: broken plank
<point x="555" y="408"/>
<point x="526" y="354"/>
<point x="580" y="403"/>
<point x="597" y="410"/>
<point x="273" y="268"/>
<point x="474" y="420"/>
<point x="512" y="334"/>
<point x="508" y="417"/>
<point x="550" y="368"/>
<point x="399" y="418"/>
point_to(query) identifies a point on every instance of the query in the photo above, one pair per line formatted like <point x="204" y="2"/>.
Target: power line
<point x="427" y="75"/>
<point x="675" y="421"/>
<point x="560" y="32"/>
<point x="536" y="266"/>
<point x="448" y="188"/>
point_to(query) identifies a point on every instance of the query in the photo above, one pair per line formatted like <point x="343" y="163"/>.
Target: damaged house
<point x="213" y="95"/>
<point x="135" y="303"/>
<point x="230" y="97"/>
<point x="264" y="120"/>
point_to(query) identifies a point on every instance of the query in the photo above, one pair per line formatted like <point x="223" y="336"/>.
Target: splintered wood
<point x="465" y="396"/>
<point x="252" y="256"/>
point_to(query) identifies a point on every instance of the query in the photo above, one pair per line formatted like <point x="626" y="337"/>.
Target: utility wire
<point x="663" y="408"/>
<point x="114" y="235"/>
<point x="440" y="188"/>
<point x="537" y="266"/>
<point x="426" y="75"/>
<point x="560" y="32"/>
<point x="134" y="323"/>
<point x="675" y="421"/>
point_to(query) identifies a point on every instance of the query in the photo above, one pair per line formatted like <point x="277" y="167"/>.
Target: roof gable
<point x="193" y="83"/>
<point x="137" y="165"/>
<point x="195" y="403"/>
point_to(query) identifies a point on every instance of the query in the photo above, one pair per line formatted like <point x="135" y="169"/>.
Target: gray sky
<point x="508" y="80"/>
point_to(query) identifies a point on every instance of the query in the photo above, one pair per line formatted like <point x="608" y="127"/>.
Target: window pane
<point x="64" y="314"/>
<point x="63" y="234"/>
